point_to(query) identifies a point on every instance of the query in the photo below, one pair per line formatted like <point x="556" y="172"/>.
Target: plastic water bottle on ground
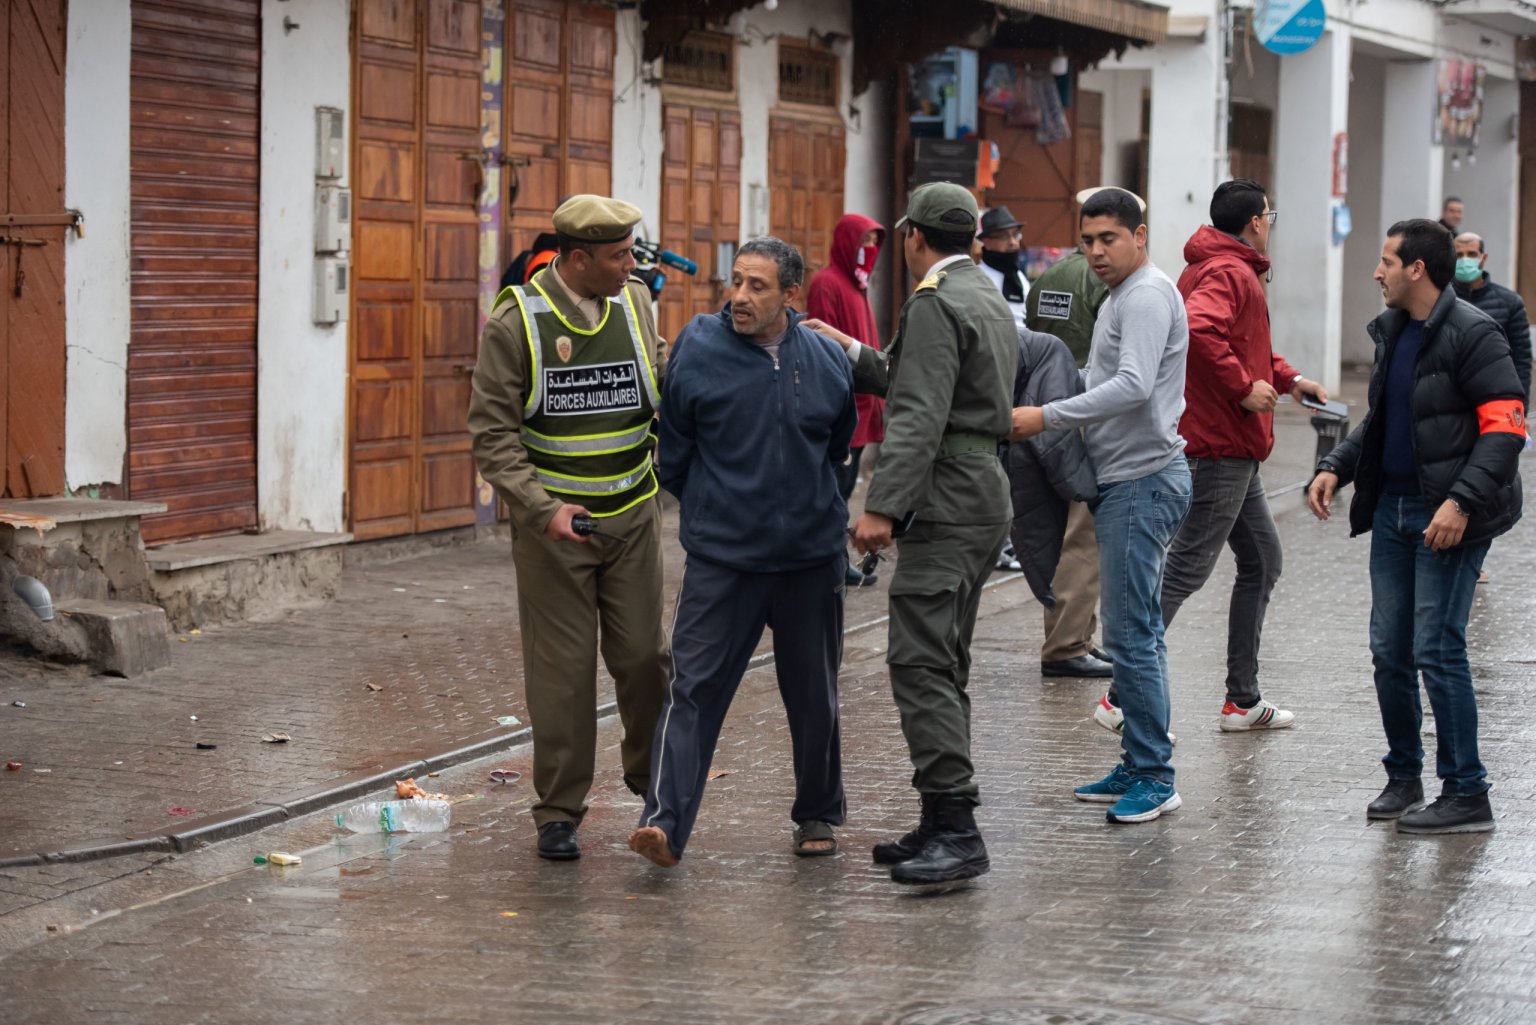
<point x="414" y="816"/>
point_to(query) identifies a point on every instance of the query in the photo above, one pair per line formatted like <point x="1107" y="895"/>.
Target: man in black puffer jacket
<point x="1434" y="464"/>
<point x="1503" y="305"/>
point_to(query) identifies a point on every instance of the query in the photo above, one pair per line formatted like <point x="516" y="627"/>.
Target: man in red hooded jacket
<point x="1233" y="379"/>
<point x="839" y="296"/>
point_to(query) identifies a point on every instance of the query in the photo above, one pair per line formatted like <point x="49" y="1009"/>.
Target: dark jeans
<point x="1228" y="510"/>
<point x="1420" y="601"/>
<point x="718" y="621"/>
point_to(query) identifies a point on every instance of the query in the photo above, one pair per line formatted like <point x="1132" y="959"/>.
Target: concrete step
<point x="124" y="638"/>
<point x="244" y="576"/>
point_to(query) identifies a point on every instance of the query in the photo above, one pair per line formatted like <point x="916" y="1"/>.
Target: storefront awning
<point x="1134" y="19"/>
<point x="1513" y="16"/>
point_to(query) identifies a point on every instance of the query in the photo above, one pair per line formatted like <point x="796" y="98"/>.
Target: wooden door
<point x="559" y="111"/>
<point x="416" y="177"/>
<point x="807" y="157"/>
<point x="195" y="191"/>
<point x="1090" y="139"/>
<point x="1038" y="183"/>
<point x="700" y="207"/>
<point x="32" y="254"/>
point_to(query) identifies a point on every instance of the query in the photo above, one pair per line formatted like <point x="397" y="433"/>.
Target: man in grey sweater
<point x="1130" y="418"/>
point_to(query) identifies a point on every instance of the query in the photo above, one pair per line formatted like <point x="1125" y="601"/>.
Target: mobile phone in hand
<point x="1331" y="406"/>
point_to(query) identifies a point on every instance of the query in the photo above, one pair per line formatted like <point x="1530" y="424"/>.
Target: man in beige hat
<point x="563" y="410"/>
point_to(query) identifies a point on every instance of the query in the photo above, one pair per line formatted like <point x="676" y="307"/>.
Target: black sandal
<point x="810" y="832"/>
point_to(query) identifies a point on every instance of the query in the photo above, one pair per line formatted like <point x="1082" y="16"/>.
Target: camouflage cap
<point x="942" y="206"/>
<point x="596" y="219"/>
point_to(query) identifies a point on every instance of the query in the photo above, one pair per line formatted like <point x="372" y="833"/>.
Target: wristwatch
<point x="1461" y="509"/>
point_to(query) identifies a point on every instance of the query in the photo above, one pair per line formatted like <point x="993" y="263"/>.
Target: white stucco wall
<point x="302" y="367"/>
<point x="1183" y="159"/>
<point x="637" y="127"/>
<point x="96" y="272"/>
<point x="1306" y="297"/>
<point x="1362" y="250"/>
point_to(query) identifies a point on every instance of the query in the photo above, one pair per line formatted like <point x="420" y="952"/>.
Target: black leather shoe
<point x="1083" y="666"/>
<point x="894" y="852"/>
<point x="1400" y="796"/>
<point x="1451" y="815"/>
<point x="954" y="852"/>
<point x="1101" y="655"/>
<point x="557" y="841"/>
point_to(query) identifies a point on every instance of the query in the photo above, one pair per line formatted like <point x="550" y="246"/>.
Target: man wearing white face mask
<point x="1503" y="305"/>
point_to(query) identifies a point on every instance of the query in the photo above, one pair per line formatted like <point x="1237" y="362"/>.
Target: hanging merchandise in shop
<point x="1289" y="26"/>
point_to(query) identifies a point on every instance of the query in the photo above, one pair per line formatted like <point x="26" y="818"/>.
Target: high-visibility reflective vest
<point x="592" y="401"/>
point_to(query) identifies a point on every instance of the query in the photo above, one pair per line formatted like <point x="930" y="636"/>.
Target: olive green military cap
<point x="942" y="206"/>
<point x="597" y="219"/>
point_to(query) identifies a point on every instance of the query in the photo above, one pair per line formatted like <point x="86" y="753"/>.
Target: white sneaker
<point x="1008" y="559"/>
<point x="1112" y="719"/>
<point x="1266" y="715"/>
<point x="1109" y="716"/>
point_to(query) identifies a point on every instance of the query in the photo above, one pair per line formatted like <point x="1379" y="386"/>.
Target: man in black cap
<point x="1001" y="235"/>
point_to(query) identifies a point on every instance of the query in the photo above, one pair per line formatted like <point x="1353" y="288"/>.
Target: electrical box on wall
<point x="330" y="289"/>
<point x="330" y="143"/>
<point x="333" y="218"/>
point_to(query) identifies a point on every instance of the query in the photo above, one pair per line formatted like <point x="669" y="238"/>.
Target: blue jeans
<point x="1135" y="522"/>
<point x="1420" y="601"/>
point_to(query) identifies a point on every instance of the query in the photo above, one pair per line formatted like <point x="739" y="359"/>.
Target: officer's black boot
<point x="954" y="852"/>
<point x="894" y="852"/>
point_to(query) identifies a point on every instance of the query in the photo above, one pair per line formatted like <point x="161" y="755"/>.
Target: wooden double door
<point x="808" y="156"/>
<point x="32" y="247"/>
<point x="700" y="208"/>
<point x="419" y="162"/>
<point x="416" y="174"/>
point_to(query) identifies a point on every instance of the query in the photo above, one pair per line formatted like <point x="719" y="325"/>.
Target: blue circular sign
<point x="1289" y="26"/>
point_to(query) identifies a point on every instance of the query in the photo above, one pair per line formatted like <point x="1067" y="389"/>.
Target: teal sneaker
<point x="1109" y="789"/>
<point x="1144" y="801"/>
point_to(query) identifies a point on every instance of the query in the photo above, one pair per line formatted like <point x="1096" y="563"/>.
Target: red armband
<point x="1501" y="415"/>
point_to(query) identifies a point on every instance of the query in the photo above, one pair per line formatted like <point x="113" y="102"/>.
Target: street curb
<point x="259" y="814"/>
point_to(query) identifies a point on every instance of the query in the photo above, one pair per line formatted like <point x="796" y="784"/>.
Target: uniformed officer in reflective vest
<point x="565" y="397"/>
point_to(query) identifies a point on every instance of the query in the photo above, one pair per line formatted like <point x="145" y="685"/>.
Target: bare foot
<point x="652" y="843"/>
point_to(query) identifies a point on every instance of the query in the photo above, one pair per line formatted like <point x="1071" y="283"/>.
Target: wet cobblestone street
<point x="1267" y="898"/>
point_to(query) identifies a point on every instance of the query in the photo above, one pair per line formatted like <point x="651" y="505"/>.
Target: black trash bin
<point x="1330" y="430"/>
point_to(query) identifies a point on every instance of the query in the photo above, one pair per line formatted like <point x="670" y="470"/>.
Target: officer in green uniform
<point x="948" y="380"/>
<point x="565" y="396"/>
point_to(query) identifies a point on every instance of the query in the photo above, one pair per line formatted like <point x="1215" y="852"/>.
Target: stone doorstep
<point x="215" y="551"/>
<point x="43" y="514"/>
<point x="124" y="638"/>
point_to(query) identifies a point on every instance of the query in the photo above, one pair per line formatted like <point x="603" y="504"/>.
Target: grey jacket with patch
<point x="1048" y="472"/>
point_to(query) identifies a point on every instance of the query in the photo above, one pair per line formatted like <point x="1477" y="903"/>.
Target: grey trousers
<point x="1228" y="510"/>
